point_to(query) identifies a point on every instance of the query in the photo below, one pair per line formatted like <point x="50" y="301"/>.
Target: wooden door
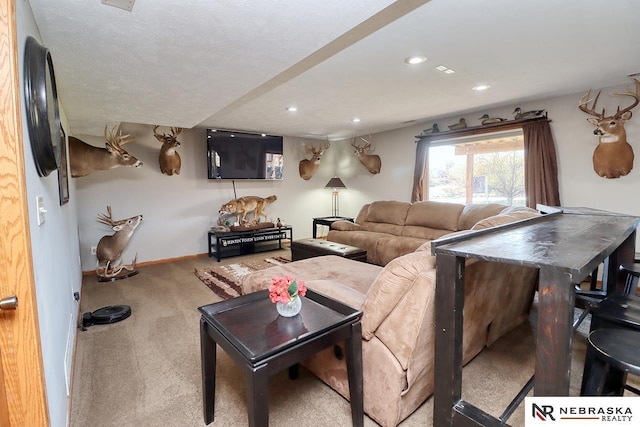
<point x="22" y="392"/>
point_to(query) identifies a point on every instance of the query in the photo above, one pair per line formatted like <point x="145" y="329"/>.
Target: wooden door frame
<point x="22" y="365"/>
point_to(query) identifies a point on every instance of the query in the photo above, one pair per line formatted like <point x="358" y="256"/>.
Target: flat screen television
<point x="238" y="155"/>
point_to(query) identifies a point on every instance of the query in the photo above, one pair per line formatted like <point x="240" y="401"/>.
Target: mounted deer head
<point x="109" y="249"/>
<point x="85" y="159"/>
<point x="370" y="161"/>
<point x="308" y="167"/>
<point x="169" y="158"/>
<point x="613" y="157"/>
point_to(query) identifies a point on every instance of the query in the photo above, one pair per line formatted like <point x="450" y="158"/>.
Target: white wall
<point x="55" y="253"/>
<point x="178" y="210"/>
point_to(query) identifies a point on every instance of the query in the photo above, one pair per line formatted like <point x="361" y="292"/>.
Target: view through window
<point x="483" y="169"/>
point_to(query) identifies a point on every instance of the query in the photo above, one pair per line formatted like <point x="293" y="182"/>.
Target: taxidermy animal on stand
<point x="109" y="249"/>
<point x="170" y="162"/>
<point x="85" y="159"/>
<point x="243" y="205"/>
<point x="308" y="167"/>
<point x="613" y="157"/>
<point x="370" y="161"/>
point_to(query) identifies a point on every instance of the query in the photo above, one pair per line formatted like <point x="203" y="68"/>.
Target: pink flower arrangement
<point x="284" y="289"/>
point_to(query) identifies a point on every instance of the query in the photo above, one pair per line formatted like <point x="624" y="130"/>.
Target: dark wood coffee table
<point x="249" y="329"/>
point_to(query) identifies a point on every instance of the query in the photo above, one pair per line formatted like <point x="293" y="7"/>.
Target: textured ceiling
<point x="236" y="64"/>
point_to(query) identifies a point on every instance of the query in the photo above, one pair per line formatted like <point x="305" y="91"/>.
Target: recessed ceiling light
<point x="355" y="120"/>
<point x="263" y="134"/>
<point x="481" y="87"/>
<point x="445" y="69"/>
<point x="292" y="109"/>
<point x="413" y="60"/>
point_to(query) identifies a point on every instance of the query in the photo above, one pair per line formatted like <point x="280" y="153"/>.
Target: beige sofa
<point x="398" y="321"/>
<point x="389" y="229"/>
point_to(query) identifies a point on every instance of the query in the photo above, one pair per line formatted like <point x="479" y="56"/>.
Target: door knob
<point x="9" y="303"/>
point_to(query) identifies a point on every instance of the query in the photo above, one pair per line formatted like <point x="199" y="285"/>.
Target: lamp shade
<point x="335" y="182"/>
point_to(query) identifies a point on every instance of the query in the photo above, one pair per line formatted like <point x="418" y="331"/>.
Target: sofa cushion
<point x="506" y="216"/>
<point x="354" y="274"/>
<point x="390" y="248"/>
<point x="362" y="215"/>
<point x="388" y="212"/>
<point x="473" y="213"/>
<point x="437" y="215"/>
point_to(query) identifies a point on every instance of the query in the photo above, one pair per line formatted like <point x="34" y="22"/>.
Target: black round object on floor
<point x="105" y="315"/>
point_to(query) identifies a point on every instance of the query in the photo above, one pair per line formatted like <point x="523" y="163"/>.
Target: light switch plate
<point x="40" y="209"/>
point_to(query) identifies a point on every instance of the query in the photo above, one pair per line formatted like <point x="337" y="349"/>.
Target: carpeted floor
<point x="224" y="280"/>
<point x="145" y="370"/>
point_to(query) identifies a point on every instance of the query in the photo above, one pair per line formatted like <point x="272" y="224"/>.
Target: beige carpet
<point x="224" y="280"/>
<point x="145" y="370"/>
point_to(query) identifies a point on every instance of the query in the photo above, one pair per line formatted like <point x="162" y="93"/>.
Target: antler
<point x="108" y="219"/>
<point x="361" y="149"/>
<point x="635" y="95"/>
<point x="174" y="132"/>
<point x="117" y="140"/>
<point x="584" y="105"/>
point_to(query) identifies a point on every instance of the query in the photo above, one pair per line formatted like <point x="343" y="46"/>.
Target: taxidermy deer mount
<point x="370" y="161"/>
<point x="169" y="158"/>
<point x="85" y="159"/>
<point x="109" y="249"/>
<point x="613" y="157"/>
<point x="308" y="167"/>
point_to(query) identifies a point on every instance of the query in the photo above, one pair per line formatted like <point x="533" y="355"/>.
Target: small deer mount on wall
<point x="613" y="157"/>
<point x="308" y="167"/>
<point x="110" y="248"/>
<point x="170" y="162"/>
<point x="370" y="161"/>
<point x="85" y="159"/>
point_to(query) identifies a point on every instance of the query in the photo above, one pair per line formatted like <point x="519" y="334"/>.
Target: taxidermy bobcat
<point x="244" y="205"/>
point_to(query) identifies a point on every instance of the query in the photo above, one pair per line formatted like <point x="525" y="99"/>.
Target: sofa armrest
<point x="344" y="225"/>
<point x="400" y="303"/>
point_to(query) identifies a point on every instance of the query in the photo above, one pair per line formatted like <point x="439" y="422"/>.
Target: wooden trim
<point x="478" y="130"/>
<point x="19" y="330"/>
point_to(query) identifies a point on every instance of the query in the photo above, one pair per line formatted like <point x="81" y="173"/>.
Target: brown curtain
<point x="421" y="173"/>
<point x="540" y="165"/>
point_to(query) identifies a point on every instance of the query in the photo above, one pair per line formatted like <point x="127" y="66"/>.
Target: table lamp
<point x="335" y="183"/>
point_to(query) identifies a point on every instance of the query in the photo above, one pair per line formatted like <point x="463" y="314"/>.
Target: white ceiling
<point x="236" y="64"/>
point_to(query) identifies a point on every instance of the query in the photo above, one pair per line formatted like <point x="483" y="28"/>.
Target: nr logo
<point x="544" y="412"/>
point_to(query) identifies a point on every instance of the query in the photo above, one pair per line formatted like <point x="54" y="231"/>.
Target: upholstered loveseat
<point x="398" y="321"/>
<point x="389" y="229"/>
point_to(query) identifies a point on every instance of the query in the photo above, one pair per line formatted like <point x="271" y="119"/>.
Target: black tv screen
<point x="238" y="155"/>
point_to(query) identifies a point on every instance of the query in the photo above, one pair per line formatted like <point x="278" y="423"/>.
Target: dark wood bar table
<point x="566" y="247"/>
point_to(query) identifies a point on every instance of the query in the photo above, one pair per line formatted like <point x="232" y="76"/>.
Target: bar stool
<point x="633" y="274"/>
<point x="611" y="355"/>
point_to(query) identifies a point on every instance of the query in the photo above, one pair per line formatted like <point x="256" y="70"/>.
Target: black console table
<point x="223" y="244"/>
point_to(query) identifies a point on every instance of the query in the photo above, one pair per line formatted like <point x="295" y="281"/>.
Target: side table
<point x="249" y="329"/>
<point x="327" y="220"/>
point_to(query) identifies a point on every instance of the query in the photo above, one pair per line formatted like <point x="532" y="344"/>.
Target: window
<point x="487" y="168"/>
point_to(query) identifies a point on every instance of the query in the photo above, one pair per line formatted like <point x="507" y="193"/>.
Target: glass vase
<point x="291" y="308"/>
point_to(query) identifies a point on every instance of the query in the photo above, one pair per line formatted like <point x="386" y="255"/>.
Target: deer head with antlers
<point x="613" y="157"/>
<point x="85" y="159"/>
<point x="308" y="167"/>
<point x="370" y="161"/>
<point x="170" y="162"/>
<point x="109" y="249"/>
